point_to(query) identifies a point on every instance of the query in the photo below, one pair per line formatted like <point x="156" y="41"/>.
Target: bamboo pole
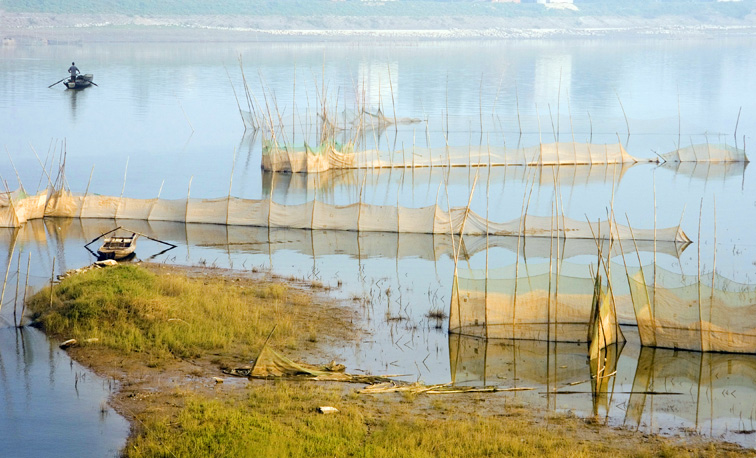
<point x="18" y="177"/>
<point x="251" y="100"/>
<point x="551" y="260"/>
<point x="455" y="253"/>
<point x="52" y="280"/>
<point x="10" y="201"/>
<point x="238" y="105"/>
<point x="480" y="102"/>
<point x="393" y="104"/>
<point x="713" y="268"/>
<point x="655" y="226"/>
<point x="517" y="104"/>
<point x="18" y="279"/>
<point x="645" y="284"/>
<point x="427" y="142"/>
<point x="700" y="316"/>
<point x="556" y="134"/>
<point x="294" y="106"/>
<point x="520" y="227"/>
<point x="447" y="108"/>
<point x="559" y="99"/>
<point x="230" y="184"/>
<point x="679" y="126"/>
<point x="467" y="209"/>
<point x="26" y="288"/>
<point x="735" y="134"/>
<point x="607" y="269"/>
<point x="488" y="219"/>
<point x="623" y="113"/>
<point x="187" y="117"/>
<point x="160" y="191"/>
<point x="188" y="193"/>
<point x="7" y="268"/>
<point x="49" y="180"/>
<point x="86" y="192"/>
<point x="123" y="188"/>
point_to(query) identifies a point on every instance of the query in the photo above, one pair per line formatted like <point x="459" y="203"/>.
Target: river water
<point x="165" y="114"/>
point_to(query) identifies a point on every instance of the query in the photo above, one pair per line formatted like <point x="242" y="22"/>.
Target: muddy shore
<point x="149" y="393"/>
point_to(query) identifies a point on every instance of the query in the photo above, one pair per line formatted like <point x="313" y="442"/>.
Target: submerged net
<point x="379" y="120"/>
<point x="710" y="313"/>
<point x="706" y="153"/>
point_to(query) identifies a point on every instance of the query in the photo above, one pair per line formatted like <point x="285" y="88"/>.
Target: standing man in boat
<point x="73" y="71"/>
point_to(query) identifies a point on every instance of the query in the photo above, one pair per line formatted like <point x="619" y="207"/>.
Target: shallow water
<point x="168" y="109"/>
<point x="52" y="406"/>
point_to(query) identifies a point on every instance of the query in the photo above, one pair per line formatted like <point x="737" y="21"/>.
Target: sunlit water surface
<point x="169" y="111"/>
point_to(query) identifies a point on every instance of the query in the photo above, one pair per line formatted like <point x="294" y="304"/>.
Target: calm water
<point x="169" y="111"/>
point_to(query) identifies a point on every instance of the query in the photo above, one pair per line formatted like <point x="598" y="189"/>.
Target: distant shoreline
<point x="48" y="28"/>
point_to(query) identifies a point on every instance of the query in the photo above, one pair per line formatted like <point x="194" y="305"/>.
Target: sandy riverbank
<point x="48" y="28"/>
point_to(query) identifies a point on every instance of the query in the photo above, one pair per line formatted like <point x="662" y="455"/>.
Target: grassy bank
<point x="132" y="310"/>
<point x="163" y="333"/>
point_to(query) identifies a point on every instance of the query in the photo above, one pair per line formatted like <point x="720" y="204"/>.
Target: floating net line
<point x="331" y="155"/>
<point x="706" y="313"/>
<point x="286" y="158"/>
<point x="313" y="215"/>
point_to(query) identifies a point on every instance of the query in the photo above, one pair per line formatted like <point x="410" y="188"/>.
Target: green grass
<point x="131" y="309"/>
<point x="280" y="420"/>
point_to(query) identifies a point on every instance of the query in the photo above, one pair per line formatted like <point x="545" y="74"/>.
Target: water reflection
<point x="651" y="390"/>
<point x="74" y="95"/>
<point x="46" y="395"/>
<point x="717" y="391"/>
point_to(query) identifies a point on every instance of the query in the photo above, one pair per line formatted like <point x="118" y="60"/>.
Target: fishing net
<point x="706" y="313"/>
<point x="551" y="302"/>
<point x="331" y="155"/>
<point x="315" y="215"/>
<point x="706" y="153"/>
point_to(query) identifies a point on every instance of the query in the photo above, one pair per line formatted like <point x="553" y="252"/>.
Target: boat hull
<point x="81" y="82"/>
<point x="117" y="248"/>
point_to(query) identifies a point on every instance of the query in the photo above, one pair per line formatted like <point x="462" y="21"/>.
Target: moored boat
<point x="118" y="247"/>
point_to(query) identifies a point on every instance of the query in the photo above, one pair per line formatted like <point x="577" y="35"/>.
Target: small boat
<point x="81" y="82"/>
<point x="118" y="247"/>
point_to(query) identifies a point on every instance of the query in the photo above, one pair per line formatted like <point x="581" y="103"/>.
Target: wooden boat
<point x="81" y="82"/>
<point x="118" y="247"/>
